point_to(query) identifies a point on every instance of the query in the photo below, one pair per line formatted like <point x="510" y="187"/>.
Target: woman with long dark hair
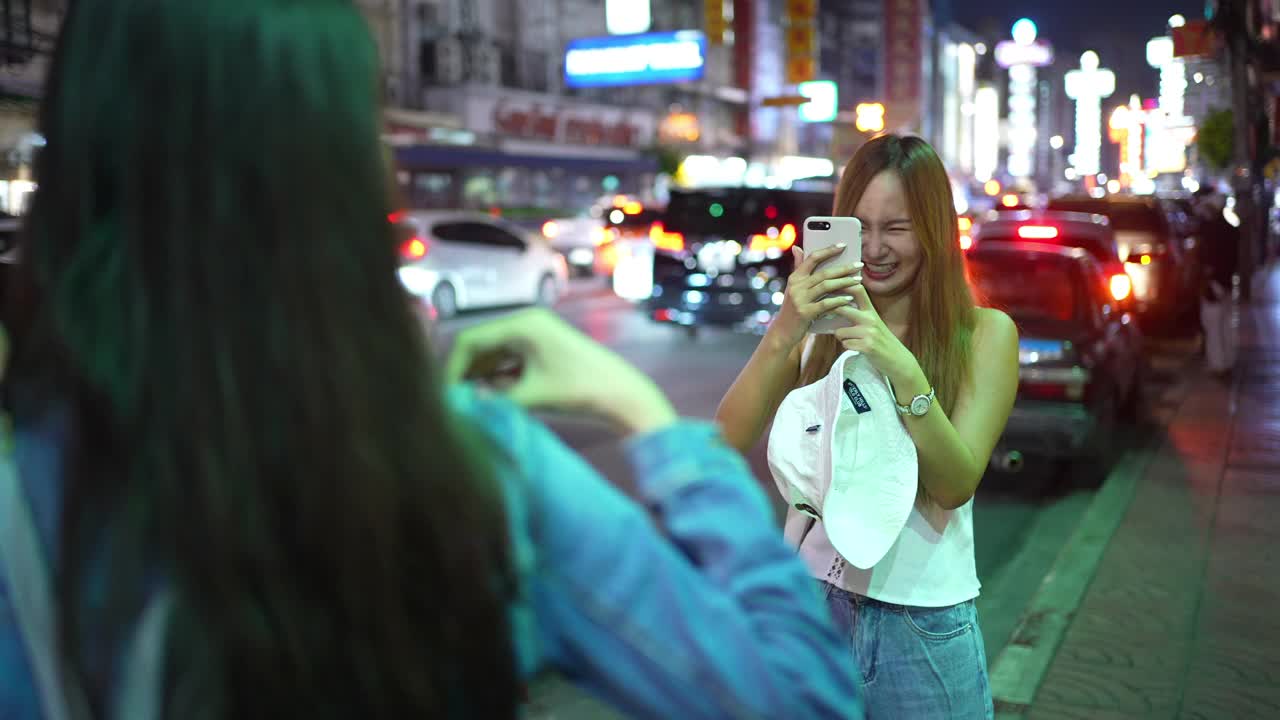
<point x="952" y="370"/>
<point x="237" y="486"/>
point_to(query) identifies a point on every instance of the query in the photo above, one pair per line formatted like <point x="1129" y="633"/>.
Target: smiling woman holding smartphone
<point x="953" y="367"/>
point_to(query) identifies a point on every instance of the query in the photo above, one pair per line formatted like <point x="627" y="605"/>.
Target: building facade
<point x="485" y="117"/>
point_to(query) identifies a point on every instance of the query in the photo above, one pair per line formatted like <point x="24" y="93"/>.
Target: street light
<point x="869" y="117"/>
<point x="1056" y="142"/>
<point x="1177" y="21"/>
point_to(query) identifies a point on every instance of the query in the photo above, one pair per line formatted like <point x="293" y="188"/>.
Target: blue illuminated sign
<point x="645" y="59"/>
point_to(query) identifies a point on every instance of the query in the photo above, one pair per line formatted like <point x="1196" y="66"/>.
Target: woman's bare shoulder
<point x="993" y="331"/>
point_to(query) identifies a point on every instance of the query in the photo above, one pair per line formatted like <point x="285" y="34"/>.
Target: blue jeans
<point x="917" y="663"/>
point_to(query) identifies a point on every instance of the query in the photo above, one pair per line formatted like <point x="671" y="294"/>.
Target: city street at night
<point x="1022" y="521"/>
<point x="653" y="359"/>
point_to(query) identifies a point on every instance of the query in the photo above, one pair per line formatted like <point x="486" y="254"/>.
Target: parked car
<point x="722" y="255"/>
<point x="1165" y="275"/>
<point x="1080" y="356"/>
<point x="461" y="261"/>
<point x="577" y="239"/>
<point x="1091" y="233"/>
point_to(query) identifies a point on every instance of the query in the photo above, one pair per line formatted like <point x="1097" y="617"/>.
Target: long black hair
<point x="208" y="285"/>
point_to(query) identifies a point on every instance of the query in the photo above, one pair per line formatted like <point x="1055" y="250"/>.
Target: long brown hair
<point x="942" y="318"/>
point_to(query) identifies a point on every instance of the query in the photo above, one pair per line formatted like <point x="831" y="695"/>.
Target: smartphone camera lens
<point x="819" y="225"/>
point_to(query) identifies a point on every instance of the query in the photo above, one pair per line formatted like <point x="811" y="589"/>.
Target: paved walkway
<point x="1182" y="619"/>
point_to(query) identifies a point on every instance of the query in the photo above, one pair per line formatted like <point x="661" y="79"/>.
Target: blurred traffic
<point x="666" y="153"/>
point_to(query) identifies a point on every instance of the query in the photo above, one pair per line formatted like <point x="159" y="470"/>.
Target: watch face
<point x="920" y="405"/>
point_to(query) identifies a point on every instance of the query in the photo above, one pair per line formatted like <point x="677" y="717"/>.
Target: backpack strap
<point x="141" y="690"/>
<point x="26" y="573"/>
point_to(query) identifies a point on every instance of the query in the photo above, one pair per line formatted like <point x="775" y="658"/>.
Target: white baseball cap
<point x="839" y="452"/>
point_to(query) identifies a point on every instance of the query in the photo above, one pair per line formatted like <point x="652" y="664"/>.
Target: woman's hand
<point x="867" y="334"/>
<point x="541" y="362"/>
<point x="807" y="290"/>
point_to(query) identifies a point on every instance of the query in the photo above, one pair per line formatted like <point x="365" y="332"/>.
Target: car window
<point x="503" y="237"/>
<point x="1124" y="216"/>
<point x="740" y="212"/>
<point x="478" y="234"/>
<point x="466" y="233"/>
<point x="1103" y="249"/>
<point x="1030" y="287"/>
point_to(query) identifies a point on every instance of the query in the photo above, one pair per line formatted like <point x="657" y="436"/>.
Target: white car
<point x="462" y="261"/>
<point x="576" y="238"/>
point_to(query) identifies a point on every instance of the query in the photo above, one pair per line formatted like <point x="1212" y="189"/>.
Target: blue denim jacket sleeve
<point x="696" y="609"/>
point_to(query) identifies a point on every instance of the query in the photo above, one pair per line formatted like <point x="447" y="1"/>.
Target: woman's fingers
<point x="837" y="271"/>
<point x="834" y="302"/>
<point x="817" y="257"/>
<point x="839" y="283"/>
<point x="859" y="293"/>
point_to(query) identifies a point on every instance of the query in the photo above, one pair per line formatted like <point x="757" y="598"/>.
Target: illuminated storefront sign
<point x="904" y="60"/>
<point x="1088" y="86"/>
<point x="1173" y="77"/>
<point x="1010" y="53"/>
<point x="1169" y="130"/>
<point x="822" y="96"/>
<point x="986" y="144"/>
<point x="1022" y="97"/>
<point x="651" y="58"/>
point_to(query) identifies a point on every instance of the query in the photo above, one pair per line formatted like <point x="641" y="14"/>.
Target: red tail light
<point x="782" y="240"/>
<point x="414" y="248"/>
<point x="1037" y="232"/>
<point x="395" y="217"/>
<point x="1120" y="285"/>
<point x="1045" y="391"/>
<point x="663" y="240"/>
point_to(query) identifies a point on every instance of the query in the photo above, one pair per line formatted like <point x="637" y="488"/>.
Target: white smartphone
<point x="823" y="232"/>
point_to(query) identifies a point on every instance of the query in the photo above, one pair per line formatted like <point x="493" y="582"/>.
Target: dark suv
<point x="1080" y="358"/>
<point x="722" y="255"/>
<point x="1164" y="274"/>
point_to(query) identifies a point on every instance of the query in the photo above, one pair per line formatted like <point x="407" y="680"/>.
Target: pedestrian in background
<point x="910" y="619"/>
<point x="1219" y="253"/>
<point x="238" y="487"/>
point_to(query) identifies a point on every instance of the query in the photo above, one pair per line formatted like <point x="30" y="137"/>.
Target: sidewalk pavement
<point x="1182" y="618"/>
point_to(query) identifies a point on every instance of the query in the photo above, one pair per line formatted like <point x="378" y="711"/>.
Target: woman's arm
<point x="954" y="451"/>
<point x="759" y="389"/>
<point x="705" y="614"/>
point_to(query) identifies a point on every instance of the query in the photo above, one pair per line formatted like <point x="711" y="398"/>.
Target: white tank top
<point x="930" y="565"/>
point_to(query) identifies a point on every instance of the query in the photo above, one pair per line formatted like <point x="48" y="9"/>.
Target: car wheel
<point x="1131" y="408"/>
<point x="445" y="298"/>
<point x="548" y="293"/>
<point x="1090" y="470"/>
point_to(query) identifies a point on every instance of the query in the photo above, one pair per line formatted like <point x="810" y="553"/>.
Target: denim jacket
<point x="690" y="608"/>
